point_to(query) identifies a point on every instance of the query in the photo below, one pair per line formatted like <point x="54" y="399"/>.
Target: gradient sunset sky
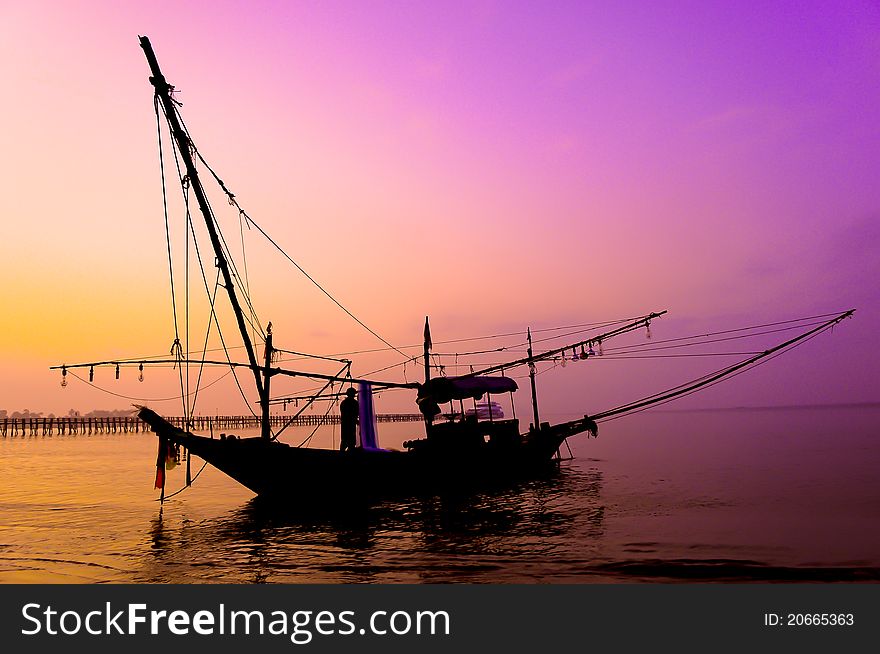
<point x="494" y="165"/>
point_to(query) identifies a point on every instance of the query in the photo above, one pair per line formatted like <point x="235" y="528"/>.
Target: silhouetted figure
<point x="348" y="418"/>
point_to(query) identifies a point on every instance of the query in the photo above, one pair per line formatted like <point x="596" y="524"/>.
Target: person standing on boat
<point x="348" y="419"/>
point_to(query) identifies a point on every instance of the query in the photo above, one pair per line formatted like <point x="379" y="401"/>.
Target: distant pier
<point x="82" y="426"/>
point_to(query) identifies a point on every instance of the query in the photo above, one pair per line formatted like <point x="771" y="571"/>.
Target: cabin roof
<point x="446" y="389"/>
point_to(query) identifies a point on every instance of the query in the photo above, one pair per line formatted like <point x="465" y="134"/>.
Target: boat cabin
<point x="481" y="427"/>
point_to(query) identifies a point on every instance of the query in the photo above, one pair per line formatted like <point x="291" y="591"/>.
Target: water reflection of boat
<point x="458" y="451"/>
<point x="502" y="535"/>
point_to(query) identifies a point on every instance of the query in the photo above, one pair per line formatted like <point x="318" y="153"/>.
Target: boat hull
<point x="287" y="473"/>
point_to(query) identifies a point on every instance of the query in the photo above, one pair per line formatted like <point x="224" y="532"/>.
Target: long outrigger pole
<point x="711" y="379"/>
<point x="588" y="423"/>
<point x="549" y="353"/>
<point x="163" y="92"/>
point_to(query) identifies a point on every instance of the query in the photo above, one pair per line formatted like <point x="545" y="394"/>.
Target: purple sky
<point x="494" y="165"/>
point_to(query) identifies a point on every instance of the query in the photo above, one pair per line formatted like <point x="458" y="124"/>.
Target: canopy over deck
<point x="445" y="389"/>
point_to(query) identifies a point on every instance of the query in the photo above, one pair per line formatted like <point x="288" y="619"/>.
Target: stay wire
<point x="185" y="486"/>
<point x="320" y="424"/>
<point x="719" y="375"/>
<point x="731" y="331"/>
<point x="204" y="278"/>
<point x="220" y="331"/>
<point x="250" y="316"/>
<point x="638" y="348"/>
<point x="746" y="369"/>
<point x="175" y="347"/>
<point x="205" y="346"/>
<point x="232" y="201"/>
<point x="141" y="399"/>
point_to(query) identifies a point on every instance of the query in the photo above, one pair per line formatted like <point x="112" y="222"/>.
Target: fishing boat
<point x="459" y="449"/>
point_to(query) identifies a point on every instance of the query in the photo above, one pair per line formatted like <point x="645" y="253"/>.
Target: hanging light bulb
<point x="63" y="377"/>
<point x="141" y="373"/>
<point x="574" y="355"/>
<point x="648" y="329"/>
<point x="563" y="359"/>
<point x="91" y="373"/>
<point x="600" y="347"/>
<point x="591" y="352"/>
<point x="584" y="355"/>
<point x="117" y="371"/>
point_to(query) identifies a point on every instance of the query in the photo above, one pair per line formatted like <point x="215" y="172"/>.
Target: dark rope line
<point x="175" y="348"/>
<point x="227" y="251"/>
<point x="615" y="357"/>
<point x="590" y="327"/>
<point x="229" y="259"/>
<point x="220" y="331"/>
<point x="142" y="399"/>
<point x="723" y="373"/>
<point x="165" y="211"/>
<point x="319" y="425"/>
<point x="730" y="331"/>
<point x="625" y="329"/>
<point x="205" y="346"/>
<point x="247" y="281"/>
<point x="727" y="378"/>
<point x="303" y="355"/>
<point x="329" y="384"/>
<point x="385" y="349"/>
<point x="191" y="482"/>
<point x="231" y="198"/>
<point x="185" y="193"/>
<point x="648" y="347"/>
<point x="321" y="288"/>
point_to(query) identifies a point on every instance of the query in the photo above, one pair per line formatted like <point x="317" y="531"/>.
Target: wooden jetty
<point x="80" y="425"/>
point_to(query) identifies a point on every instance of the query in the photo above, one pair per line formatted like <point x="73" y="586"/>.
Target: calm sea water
<point x="781" y="495"/>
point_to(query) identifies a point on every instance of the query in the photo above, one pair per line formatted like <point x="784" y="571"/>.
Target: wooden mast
<point x="532" y="381"/>
<point x="265" y="431"/>
<point x="163" y="92"/>
<point x="428" y="345"/>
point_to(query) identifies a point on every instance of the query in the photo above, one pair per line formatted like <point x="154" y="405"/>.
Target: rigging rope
<point x="185" y="486"/>
<point x="251" y="316"/>
<point x="242" y="213"/>
<point x="320" y="424"/>
<point x="220" y="331"/>
<point x="649" y="347"/>
<point x="205" y="346"/>
<point x="712" y="378"/>
<point x="141" y="399"/>
<point x="175" y="347"/>
<point x="185" y="185"/>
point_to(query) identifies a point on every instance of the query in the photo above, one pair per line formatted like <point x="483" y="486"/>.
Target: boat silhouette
<point x="459" y="451"/>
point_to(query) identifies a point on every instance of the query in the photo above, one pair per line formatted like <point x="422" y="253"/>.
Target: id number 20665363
<point x="808" y="619"/>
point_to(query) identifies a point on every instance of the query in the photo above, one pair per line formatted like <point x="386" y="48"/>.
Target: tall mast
<point x="532" y="381"/>
<point x="428" y="345"/>
<point x="163" y="92"/>
<point x="267" y="377"/>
